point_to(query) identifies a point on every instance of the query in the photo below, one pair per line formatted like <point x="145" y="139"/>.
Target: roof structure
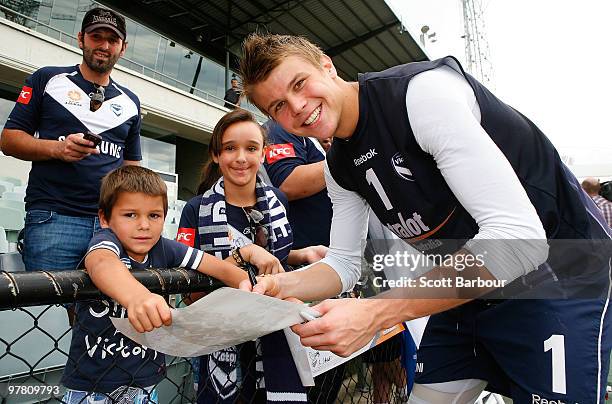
<point x="359" y="35"/>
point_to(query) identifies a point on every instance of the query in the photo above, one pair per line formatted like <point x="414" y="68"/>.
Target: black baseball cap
<point x="104" y="18"/>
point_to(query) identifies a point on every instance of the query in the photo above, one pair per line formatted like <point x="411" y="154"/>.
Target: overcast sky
<point x="551" y="61"/>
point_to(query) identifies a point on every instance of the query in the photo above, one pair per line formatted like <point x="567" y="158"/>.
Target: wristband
<point x="238" y="257"/>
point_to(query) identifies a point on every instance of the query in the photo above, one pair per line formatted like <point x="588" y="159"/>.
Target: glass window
<point x="212" y="79"/>
<point x="159" y="60"/>
<point x="158" y="155"/>
<point x="131" y="27"/>
<point x="144" y="45"/>
<point x="63" y="15"/>
<point x="43" y="15"/>
<point x="187" y="67"/>
<point x="29" y="9"/>
<point x="83" y="7"/>
<point x="171" y="61"/>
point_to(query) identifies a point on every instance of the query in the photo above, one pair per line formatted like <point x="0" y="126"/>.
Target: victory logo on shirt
<point x="401" y="168"/>
<point x="117" y="109"/>
<point x="276" y="152"/>
<point x="25" y="95"/>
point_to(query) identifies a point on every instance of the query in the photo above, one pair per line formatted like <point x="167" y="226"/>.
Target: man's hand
<point x="265" y="262"/>
<point x="317" y="282"/>
<point x="74" y="148"/>
<point x="314" y="253"/>
<point x="345" y="326"/>
<point x="266" y="285"/>
<point x="307" y="255"/>
<point x="147" y="311"/>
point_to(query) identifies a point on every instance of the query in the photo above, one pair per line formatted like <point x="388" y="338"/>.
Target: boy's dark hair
<point x="130" y="179"/>
<point x="211" y="172"/>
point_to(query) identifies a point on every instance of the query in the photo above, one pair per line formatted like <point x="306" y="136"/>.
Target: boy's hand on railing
<point x="147" y="311"/>
<point x="265" y="262"/>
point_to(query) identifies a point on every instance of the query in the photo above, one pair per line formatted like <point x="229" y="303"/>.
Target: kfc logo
<point x="278" y="152"/>
<point x="186" y="236"/>
<point x="25" y="95"/>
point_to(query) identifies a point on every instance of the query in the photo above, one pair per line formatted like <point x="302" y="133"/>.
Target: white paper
<point x="310" y="362"/>
<point x="223" y="318"/>
<point x="417" y="329"/>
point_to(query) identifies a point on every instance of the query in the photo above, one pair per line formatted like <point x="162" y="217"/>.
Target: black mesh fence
<point x="41" y="353"/>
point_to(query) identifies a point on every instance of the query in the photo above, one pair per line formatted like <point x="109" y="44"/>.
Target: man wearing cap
<point x="56" y="108"/>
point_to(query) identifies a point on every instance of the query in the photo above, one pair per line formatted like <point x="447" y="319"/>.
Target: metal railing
<point x="35" y="343"/>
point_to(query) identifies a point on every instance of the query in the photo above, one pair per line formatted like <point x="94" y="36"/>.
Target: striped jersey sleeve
<point x="181" y="255"/>
<point x="105" y="239"/>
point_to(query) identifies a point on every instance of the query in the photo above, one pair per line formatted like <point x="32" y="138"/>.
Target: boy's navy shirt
<point x="53" y="104"/>
<point x="310" y="217"/>
<point x="101" y="359"/>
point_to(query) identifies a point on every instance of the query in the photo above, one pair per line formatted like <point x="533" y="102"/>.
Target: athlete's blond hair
<point x="262" y="53"/>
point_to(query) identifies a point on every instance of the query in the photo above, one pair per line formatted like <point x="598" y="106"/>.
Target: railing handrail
<point x="23" y="289"/>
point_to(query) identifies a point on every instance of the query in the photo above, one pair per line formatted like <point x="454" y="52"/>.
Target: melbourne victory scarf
<point x="219" y="371"/>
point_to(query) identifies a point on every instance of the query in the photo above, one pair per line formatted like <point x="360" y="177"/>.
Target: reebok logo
<point x="365" y="157"/>
<point x="536" y="399"/>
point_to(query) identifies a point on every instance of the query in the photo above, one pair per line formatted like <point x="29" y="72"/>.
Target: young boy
<point x="103" y="364"/>
<point x="438" y="158"/>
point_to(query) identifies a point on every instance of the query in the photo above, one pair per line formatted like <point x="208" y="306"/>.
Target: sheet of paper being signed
<point x="223" y="318"/>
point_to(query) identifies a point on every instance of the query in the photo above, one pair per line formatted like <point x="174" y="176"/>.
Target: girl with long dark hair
<point x="237" y="217"/>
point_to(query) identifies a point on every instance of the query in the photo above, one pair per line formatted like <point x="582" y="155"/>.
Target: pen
<point x="252" y="271"/>
<point x="310" y="314"/>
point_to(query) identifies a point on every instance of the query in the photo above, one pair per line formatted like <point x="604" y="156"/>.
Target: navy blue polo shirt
<point x="310" y="217"/>
<point x="53" y="104"/>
